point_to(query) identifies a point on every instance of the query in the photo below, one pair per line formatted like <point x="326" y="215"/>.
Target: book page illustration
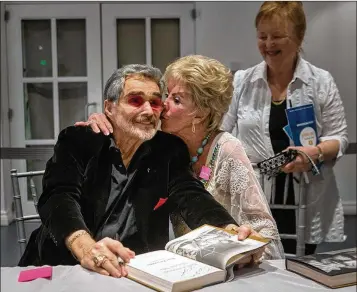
<point x="333" y="263"/>
<point x="211" y="246"/>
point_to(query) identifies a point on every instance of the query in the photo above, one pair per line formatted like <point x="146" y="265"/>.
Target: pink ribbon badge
<point x="205" y="172"/>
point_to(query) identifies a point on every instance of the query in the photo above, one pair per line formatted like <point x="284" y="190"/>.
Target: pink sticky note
<point x="29" y="275"/>
<point x="205" y="172"/>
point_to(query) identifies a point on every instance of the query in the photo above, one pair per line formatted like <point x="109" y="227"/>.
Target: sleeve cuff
<point x="342" y="144"/>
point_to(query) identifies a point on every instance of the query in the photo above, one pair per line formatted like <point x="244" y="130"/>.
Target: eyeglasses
<point x="137" y="101"/>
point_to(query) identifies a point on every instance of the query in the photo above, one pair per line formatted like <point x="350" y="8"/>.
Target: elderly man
<point x="105" y="194"/>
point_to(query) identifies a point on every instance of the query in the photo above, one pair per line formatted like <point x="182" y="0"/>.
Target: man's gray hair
<point x="114" y="86"/>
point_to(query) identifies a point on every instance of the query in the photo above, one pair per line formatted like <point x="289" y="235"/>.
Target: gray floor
<point x="10" y="253"/>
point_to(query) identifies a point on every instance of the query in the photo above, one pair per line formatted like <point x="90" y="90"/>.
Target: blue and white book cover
<point x="287" y="131"/>
<point x="302" y="124"/>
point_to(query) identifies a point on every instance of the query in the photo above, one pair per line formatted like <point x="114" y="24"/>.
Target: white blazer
<point x="248" y="119"/>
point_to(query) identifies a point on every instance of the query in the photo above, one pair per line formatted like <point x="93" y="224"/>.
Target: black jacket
<point x="76" y="187"/>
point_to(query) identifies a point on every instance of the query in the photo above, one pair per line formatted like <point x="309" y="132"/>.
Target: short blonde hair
<point x="285" y="10"/>
<point x="209" y="82"/>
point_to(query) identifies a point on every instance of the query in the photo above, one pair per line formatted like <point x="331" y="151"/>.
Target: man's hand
<point x="102" y="256"/>
<point x="98" y="122"/>
<point x="244" y="232"/>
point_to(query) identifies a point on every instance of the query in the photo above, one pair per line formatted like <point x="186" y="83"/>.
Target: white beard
<point x="129" y="127"/>
<point x="142" y="134"/>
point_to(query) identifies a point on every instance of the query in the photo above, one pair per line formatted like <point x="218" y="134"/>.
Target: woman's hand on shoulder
<point x="98" y="122"/>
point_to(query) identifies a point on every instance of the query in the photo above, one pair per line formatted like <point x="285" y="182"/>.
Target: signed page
<point x="170" y="267"/>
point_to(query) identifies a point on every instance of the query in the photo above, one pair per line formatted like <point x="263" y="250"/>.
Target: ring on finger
<point x="121" y="262"/>
<point x="99" y="260"/>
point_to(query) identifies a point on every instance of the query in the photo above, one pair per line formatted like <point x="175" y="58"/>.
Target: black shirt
<point x="119" y="176"/>
<point x="124" y="223"/>
<point x="277" y="121"/>
<point x="280" y="141"/>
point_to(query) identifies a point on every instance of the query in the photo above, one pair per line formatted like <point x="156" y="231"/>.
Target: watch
<point x="320" y="157"/>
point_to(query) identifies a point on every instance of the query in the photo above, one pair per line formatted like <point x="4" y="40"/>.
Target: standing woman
<point x="257" y="117"/>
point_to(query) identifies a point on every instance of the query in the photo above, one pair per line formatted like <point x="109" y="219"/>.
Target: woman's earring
<point x="193" y="127"/>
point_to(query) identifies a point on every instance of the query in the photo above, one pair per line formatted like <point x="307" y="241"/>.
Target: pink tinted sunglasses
<point x="137" y="101"/>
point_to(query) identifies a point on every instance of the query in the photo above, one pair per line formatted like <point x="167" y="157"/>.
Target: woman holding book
<point x="257" y="117"/>
<point x="199" y="91"/>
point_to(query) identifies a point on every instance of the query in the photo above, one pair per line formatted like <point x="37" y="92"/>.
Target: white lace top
<point x="234" y="185"/>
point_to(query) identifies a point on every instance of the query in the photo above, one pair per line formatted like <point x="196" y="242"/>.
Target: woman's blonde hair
<point x="209" y="82"/>
<point x="285" y="10"/>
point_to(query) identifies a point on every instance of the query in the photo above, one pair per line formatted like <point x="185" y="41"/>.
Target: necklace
<point x="199" y="151"/>
<point x="210" y="168"/>
<point x="278" y="102"/>
<point x="206" y="171"/>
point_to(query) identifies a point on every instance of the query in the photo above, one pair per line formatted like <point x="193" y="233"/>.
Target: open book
<point x="200" y="258"/>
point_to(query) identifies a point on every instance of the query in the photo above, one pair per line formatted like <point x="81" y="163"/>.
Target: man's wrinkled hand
<point x="102" y="257"/>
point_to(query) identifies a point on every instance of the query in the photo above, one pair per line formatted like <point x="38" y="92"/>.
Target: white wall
<point x="226" y="31"/>
<point x="331" y="44"/>
<point x="5" y="200"/>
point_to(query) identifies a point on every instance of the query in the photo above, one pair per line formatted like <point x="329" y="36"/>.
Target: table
<point x="270" y="276"/>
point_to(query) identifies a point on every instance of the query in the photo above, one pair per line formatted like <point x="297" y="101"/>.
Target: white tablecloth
<point x="270" y="276"/>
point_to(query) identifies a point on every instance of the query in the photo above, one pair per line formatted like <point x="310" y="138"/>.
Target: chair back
<point x="19" y="215"/>
<point x="300" y="215"/>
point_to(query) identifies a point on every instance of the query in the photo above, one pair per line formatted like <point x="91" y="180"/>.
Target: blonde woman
<point x="199" y="92"/>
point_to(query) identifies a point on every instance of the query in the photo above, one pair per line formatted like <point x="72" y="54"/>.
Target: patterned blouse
<point x="234" y="185"/>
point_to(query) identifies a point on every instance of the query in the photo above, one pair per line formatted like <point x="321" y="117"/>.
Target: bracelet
<point x="320" y="157"/>
<point x="73" y="239"/>
<point x="314" y="169"/>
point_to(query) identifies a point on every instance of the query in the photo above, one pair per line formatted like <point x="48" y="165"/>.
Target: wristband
<point x="73" y="239"/>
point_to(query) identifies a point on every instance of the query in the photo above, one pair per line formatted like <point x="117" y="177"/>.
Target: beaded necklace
<point x="206" y="171"/>
<point x="199" y="151"/>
